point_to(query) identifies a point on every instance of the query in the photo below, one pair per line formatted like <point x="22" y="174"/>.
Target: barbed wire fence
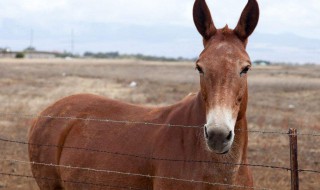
<point x="291" y="133"/>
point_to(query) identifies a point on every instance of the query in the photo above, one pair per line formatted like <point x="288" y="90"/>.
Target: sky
<point x="288" y="30"/>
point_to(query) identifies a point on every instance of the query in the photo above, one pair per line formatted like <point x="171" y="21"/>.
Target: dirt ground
<point x="280" y="97"/>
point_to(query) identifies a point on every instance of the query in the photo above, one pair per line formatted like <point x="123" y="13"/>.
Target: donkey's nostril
<point x="229" y="136"/>
<point x="206" y="132"/>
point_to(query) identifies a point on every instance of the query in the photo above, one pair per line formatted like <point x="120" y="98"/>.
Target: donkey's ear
<point x="248" y="20"/>
<point x="202" y="19"/>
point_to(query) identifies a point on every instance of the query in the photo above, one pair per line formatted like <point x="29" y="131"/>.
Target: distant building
<point x="4" y="54"/>
<point x="27" y="54"/>
<point x="5" y="49"/>
<point x="39" y="55"/>
<point x="261" y="62"/>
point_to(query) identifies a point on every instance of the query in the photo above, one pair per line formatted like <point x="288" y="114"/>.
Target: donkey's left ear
<point x="203" y="20"/>
<point x="248" y="20"/>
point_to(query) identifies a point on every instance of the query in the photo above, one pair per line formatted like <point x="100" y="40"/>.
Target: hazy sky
<point x="288" y="30"/>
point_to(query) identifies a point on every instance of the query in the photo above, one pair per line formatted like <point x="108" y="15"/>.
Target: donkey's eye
<point x="199" y="69"/>
<point x="244" y="71"/>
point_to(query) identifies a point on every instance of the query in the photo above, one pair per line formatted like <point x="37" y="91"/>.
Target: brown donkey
<point x="148" y="153"/>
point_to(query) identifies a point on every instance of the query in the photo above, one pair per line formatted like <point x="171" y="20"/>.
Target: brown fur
<point x="222" y="64"/>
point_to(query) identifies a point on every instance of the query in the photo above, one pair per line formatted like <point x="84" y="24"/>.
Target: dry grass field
<point x="280" y="97"/>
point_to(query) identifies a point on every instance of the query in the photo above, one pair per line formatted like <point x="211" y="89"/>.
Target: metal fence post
<point x="294" y="159"/>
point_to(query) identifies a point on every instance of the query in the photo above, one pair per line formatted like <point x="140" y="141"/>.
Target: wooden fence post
<point x="294" y="159"/>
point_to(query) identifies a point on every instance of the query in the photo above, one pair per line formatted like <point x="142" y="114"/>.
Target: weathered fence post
<point x="294" y="159"/>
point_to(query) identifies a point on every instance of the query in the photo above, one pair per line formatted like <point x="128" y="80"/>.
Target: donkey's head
<point x="223" y="67"/>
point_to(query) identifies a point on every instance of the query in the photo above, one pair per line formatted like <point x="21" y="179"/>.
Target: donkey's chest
<point x="193" y="175"/>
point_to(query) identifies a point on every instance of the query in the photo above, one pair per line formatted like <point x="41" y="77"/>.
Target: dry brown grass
<point x="280" y="97"/>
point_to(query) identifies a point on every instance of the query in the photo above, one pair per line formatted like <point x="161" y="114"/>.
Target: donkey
<point x="156" y="150"/>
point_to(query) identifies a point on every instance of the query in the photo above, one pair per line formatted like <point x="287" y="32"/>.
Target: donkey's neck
<point x="190" y="111"/>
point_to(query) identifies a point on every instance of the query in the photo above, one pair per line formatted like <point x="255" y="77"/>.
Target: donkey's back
<point x="84" y="131"/>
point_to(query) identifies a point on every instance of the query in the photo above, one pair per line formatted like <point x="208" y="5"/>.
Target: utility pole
<point x="31" y="38"/>
<point x="72" y="42"/>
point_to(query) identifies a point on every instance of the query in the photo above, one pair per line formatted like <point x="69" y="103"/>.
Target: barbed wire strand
<point x="309" y="171"/>
<point x="309" y="134"/>
<point x="134" y="174"/>
<point x="96" y="119"/>
<point x="68" y="181"/>
<point x="145" y="157"/>
<point x="33" y="116"/>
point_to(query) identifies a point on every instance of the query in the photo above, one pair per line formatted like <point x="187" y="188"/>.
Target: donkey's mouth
<point x="225" y="152"/>
<point x="218" y="149"/>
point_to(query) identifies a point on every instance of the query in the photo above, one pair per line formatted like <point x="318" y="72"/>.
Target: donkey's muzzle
<point x="219" y="139"/>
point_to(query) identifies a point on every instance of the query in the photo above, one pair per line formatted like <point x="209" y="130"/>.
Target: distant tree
<point x="88" y="54"/>
<point x="20" y="55"/>
<point x="30" y="48"/>
<point x="139" y="56"/>
<point x="101" y="55"/>
<point x="66" y="54"/>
